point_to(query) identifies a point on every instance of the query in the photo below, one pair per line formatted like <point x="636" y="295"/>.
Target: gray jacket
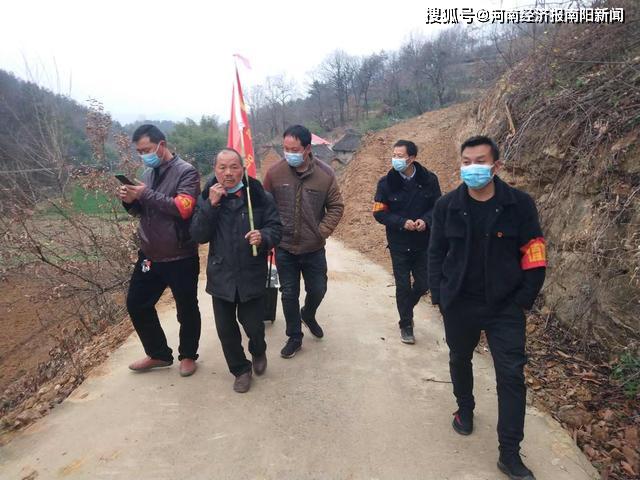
<point x="165" y="209"/>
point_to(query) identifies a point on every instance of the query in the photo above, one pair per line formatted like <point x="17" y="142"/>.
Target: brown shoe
<point x="242" y="383"/>
<point x="260" y="364"/>
<point x="187" y="367"/>
<point x="147" y="363"/>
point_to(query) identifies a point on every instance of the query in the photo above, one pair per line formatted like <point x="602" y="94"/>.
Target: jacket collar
<point x="308" y="171"/>
<point x="504" y="194"/>
<point x="166" y="166"/>
<point x="396" y="182"/>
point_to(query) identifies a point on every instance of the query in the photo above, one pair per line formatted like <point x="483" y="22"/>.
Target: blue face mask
<point x="399" y="164"/>
<point x="236" y="188"/>
<point x="476" y="176"/>
<point x="294" y="159"/>
<point x="151" y="160"/>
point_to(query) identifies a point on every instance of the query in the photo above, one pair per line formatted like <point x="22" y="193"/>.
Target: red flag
<point x="243" y="60"/>
<point x="239" y="129"/>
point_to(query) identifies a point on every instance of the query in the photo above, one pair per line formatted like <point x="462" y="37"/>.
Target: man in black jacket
<point x="486" y="266"/>
<point x="235" y="277"/>
<point x="403" y="203"/>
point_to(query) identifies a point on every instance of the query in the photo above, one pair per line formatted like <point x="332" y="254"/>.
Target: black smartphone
<point x="124" y="179"/>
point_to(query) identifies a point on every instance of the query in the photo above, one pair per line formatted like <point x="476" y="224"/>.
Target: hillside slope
<point x="568" y="122"/>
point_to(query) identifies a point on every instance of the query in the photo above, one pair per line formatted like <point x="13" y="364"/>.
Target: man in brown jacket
<point x="164" y="202"/>
<point x="310" y="207"/>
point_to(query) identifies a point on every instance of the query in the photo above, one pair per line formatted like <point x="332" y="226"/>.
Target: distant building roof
<point x="350" y="142"/>
<point x="323" y="153"/>
<point x="276" y="148"/>
<point x="316" y="140"/>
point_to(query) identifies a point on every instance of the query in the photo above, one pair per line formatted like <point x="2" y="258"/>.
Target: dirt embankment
<point x="44" y="356"/>
<point x="579" y="391"/>
<point x="568" y="125"/>
<point x="566" y="120"/>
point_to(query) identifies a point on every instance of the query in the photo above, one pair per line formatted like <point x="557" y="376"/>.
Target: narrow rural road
<point x="356" y="405"/>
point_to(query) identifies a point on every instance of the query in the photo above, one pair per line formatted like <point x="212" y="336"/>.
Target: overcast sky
<point x="173" y="59"/>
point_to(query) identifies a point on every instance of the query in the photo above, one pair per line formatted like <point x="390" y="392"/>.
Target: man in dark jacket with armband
<point x="403" y="203"/>
<point x="164" y="202"/>
<point x="236" y="278"/>
<point x="487" y="265"/>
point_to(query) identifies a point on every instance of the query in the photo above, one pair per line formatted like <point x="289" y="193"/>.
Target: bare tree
<point x="392" y="79"/>
<point x="337" y="71"/>
<point x="280" y="89"/>
<point x="321" y="110"/>
<point x="257" y="103"/>
<point x="370" y="71"/>
<point x="413" y="70"/>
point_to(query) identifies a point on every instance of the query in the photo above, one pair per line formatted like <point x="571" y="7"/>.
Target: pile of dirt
<point x="39" y="390"/>
<point x="44" y="356"/>
<point x="27" y="333"/>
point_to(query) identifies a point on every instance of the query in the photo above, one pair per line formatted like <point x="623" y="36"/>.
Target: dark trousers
<point x="146" y="288"/>
<point x="313" y="267"/>
<point x="250" y="314"/>
<point x="405" y="265"/>
<point x="505" y="331"/>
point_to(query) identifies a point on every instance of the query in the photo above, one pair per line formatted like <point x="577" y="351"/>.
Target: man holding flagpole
<point x="310" y="205"/>
<point x="237" y="264"/>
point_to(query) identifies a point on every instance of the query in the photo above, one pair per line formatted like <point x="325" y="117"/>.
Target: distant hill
<point x="24" y="107"/>
<point x="28" y="116"/>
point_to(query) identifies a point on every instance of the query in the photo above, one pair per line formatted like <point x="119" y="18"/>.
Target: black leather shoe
<point x="312" y="325"/>
<point x="511" y="465"/>
<point x="291" y="348"/>
<point x="463" y="422"/>
<point x="406" y="335"/>
<point x="260" y="364"/>
<point x="242" y="384"/>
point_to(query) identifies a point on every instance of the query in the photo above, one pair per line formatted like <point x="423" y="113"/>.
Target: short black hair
<point x="482" y="140"/>
<point x="147" y="130"/>
<point x="301" y="133"/>
<point x="410" y="147"/>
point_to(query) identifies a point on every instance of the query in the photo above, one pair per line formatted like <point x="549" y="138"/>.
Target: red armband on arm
<point x="185" y="204"/>
<point x="380" y="207"/>
<point x="534" y="254"/>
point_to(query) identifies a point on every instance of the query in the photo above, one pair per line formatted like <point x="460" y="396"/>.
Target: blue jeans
<point x="313" y="267"/>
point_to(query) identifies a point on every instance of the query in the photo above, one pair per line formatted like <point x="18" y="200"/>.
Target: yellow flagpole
<point x="254" y="249"/>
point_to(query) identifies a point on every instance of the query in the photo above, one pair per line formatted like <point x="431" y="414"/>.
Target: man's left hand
<point x="131" y="193"/>
<point x="421" y="225"/>
<point x="254" y="237"/>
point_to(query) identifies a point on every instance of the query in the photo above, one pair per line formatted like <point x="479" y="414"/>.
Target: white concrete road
<point x="356" y="405"/>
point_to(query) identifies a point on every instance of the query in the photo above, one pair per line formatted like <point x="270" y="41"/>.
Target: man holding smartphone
<point x="164" y="201"/>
